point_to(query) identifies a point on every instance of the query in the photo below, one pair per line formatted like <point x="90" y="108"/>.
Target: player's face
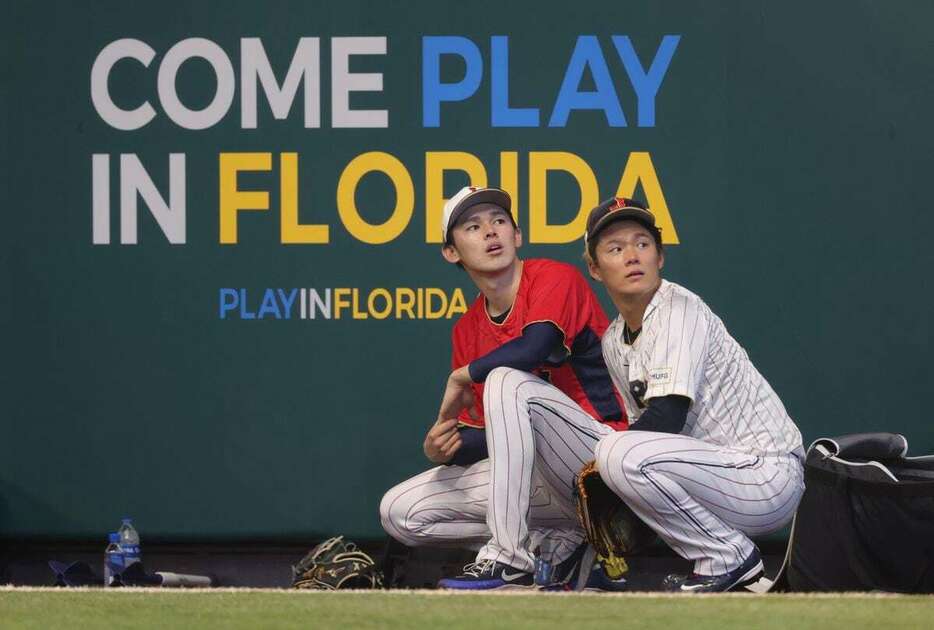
<point x="628" y="261"/>
<point x="484" y="240"/>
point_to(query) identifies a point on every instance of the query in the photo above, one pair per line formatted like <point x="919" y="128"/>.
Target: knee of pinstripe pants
<point x="703" y="499"/>
<point x="445" y="505"/>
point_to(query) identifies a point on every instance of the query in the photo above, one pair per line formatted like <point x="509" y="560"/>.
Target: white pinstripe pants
<point x="518" y="499"/>
<point x="702" y="499"/>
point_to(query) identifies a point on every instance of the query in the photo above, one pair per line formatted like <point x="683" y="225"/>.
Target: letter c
<point x="126" y="120"/>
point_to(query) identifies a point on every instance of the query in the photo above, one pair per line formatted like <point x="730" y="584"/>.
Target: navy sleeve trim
<point x="473" y="447"/>
<point x="665" y="414"/>
<point x="590" y="369"/>
<point x="525" y="352"/>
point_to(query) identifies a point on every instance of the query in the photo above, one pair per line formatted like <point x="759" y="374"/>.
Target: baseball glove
<point x="335" y="564"/>
<point x="611" y="526"/>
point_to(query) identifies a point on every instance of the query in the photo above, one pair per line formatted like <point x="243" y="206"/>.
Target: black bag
<point x="866" y="520"/>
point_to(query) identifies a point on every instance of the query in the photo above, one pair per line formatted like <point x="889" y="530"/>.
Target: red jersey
<point x="556" y="292"/>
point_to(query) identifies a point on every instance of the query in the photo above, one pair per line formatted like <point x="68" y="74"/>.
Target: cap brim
<point x="631" y="213"/>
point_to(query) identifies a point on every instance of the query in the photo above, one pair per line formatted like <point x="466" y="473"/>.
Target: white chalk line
<point x="451" y="593"/>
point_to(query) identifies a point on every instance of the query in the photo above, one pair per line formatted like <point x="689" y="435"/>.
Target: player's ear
<point x="593" y="269"/>
<point x="518" y="237"/>
<point x="661" y="259"/>
<point x="450" y="254"/>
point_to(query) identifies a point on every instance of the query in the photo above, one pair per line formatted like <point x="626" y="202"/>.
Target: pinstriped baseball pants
<point x="518" y="499"/>
<point x="702" y="499"/>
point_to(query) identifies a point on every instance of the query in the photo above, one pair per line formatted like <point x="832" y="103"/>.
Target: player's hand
<point x="458" y="395"/>
<point x="442" y="441"/>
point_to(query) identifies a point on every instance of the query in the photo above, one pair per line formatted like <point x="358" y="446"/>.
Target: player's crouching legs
<point x="501" y="388"/>
<point x="506" y="394"/>
<point x="619" y="458"/>
<point x="445" y="506"/>
<point x="393" y="514"/>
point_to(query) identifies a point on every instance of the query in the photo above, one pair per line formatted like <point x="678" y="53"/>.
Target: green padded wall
<point x="789" y="142"/>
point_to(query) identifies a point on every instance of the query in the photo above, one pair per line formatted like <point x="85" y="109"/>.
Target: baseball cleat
<point x="599" y="581"/>
<point x="567" y="574"/>
<point x="488" y="575"/>
<point x="749" y="571"/>
<point x="583" y="572"/>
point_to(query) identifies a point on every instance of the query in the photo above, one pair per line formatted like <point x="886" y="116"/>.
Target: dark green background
<point x="793" y="141"/>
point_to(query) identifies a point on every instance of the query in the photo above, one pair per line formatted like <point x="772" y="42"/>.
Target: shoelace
<point x="476" y="569"/>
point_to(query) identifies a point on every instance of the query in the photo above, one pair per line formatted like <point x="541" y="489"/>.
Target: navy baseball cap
<point x="615" y="209"/>
<point x="468" y="197"/>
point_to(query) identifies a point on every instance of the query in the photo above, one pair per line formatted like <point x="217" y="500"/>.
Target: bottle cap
<point x="127" y="520"/>
<point x="113" y="537"/>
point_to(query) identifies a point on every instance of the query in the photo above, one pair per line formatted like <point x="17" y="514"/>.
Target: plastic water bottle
<point x="129" y="543"/>
<point x="113" y="559"/>
<point x="544" y="570"/>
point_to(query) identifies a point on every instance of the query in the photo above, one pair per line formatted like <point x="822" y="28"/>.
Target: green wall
<point x="792" y="142"/>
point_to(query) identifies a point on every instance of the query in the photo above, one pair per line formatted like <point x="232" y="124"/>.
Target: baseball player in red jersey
<point x="712" y="457"/>
<point x="524" y="406"/>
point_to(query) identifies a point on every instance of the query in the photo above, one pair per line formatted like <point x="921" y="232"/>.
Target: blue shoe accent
<point x="749" y="571"/>
<point x="488" y="575"/>
<point x="581" y="572"/>
<point x="598" y="580"/>
<point x="566" y="574"/>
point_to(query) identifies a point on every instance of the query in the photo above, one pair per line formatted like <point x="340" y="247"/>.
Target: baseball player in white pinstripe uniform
<point x="712" y="456"/>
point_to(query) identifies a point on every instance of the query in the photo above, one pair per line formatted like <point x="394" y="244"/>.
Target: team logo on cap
<point x="623" y="202"/>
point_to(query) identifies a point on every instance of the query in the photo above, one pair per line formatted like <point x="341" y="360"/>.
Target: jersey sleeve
<point x="677" y="357"/>
<point x="459" y="358"/>
<point x="561" y="296"/>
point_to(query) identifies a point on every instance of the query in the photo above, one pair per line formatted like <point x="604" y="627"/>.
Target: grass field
<point x="246" y="608"/>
